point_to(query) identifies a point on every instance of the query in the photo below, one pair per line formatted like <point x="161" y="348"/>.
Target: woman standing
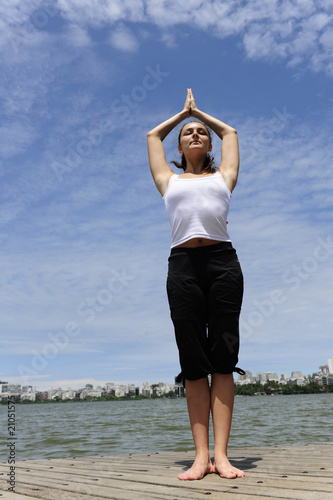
<point x="205" y="282"/>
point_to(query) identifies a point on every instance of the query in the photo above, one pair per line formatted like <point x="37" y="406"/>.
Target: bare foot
<point x="198" y="470"/>
<point x="225" y="469"/>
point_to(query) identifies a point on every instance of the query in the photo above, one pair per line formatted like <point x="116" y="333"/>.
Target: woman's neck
<point x="194" y="167"/>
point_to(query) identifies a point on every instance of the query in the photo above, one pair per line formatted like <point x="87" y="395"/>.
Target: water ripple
<point x="52" y="430"/>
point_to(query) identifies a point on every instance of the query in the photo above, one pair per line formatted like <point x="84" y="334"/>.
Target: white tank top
<point x="197" y="208"/>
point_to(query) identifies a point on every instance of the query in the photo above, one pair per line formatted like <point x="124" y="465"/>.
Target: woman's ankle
<point x="220" y="454"/>
<point x="202" y="456"/>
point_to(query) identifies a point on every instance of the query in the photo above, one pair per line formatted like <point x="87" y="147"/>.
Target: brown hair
<point x="208" y="164"/>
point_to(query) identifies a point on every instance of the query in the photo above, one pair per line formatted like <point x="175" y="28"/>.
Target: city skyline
<point x="281" y="376"/>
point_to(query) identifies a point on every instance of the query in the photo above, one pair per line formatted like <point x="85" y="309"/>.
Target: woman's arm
<point x="229" y="153"/>
<point x="159" y="168"/>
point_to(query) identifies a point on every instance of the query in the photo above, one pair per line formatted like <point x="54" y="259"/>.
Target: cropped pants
<point x="205" y="292"/>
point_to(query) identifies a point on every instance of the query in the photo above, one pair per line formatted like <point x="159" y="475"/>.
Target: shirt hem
<point x="205" y="236"/>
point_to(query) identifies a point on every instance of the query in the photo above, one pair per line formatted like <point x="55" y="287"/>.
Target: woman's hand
<point x="190" y="104"/>
<point x="193" y="105"/>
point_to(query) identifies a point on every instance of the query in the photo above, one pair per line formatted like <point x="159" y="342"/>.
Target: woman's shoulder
<point x="169" y="180"/>
<point x="224" y="180"/>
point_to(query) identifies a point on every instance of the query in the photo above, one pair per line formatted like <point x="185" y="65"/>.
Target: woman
<point x="205" y="282"/>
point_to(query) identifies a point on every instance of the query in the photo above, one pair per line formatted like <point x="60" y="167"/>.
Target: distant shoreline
<point x="256" y="389"/>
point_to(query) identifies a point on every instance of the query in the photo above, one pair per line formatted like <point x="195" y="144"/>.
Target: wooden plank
<point x="168" y="479"/>
<point x="129" y="492"/>
<point x="276" y="473"/>
<point x="90" y="471"/>
<point x="8" y="495"/>
<point x="147" y="483"/>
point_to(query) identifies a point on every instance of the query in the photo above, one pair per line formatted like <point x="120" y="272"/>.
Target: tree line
<point x="273" y="387"/>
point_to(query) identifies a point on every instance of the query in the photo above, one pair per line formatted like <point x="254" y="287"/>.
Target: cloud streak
<point x="294" y="31"/>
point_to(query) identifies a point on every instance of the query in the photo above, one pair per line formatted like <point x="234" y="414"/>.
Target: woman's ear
<point x="180" y="149"/>
<point x="210" y="147"/>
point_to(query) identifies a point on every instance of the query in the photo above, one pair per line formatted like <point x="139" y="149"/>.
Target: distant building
<point x="160" y="388"/>
<point x="89" y="391"/>
<point x="42" y="395"/>
<point x="330" y="364"/>
<point x="296" y="375"/>
<point x="247" y="375"/>
<point x="54" y="393"/>
<point x="28" y="394"/>
<point x="69" y="394"/>
<point x="143" y="390"/>
<point x="322" y="380"/>
<point x="179" y="390"/>
<point x="261" y="377"/>
<point x="7" y="390"/>
<point x="14" y="388"/>
<point x="120" y="390"/>
<point x="109" y="386"/>
<point x="27" y="388"/>
<point x="131" y="388"/>
<point x="4" y="388"/>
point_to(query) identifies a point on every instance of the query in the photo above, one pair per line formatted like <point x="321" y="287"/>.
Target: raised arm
<point x="158" y="165"/>
<point x="229" y="152"/>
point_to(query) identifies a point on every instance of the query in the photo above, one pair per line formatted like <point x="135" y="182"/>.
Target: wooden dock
<point x="286" y="472"/>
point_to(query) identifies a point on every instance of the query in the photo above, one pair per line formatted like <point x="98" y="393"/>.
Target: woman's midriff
<point x="197" y="242"/>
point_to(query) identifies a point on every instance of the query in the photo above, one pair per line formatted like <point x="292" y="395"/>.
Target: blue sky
<point x="84" y="234"/>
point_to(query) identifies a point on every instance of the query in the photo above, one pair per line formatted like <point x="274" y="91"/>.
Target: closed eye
<point x="199" y="131"/>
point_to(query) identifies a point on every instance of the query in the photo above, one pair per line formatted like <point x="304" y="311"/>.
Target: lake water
<point x="54" y="430"/>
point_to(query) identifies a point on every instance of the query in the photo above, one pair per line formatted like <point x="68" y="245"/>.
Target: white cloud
<point x="295" y="32"/>
<point x="123" y="39"/>
<point x="18" y="11"/>
<point x="16" y="136"/>
<point x="326" y="39"/>
<point x="169" y="39"/>
<point x="77" y="36"/>
<point x="97" y="13"/>
<point x="290" y="31"/>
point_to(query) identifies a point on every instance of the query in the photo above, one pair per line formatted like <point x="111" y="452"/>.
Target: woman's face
<point x="194" y="136"/>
